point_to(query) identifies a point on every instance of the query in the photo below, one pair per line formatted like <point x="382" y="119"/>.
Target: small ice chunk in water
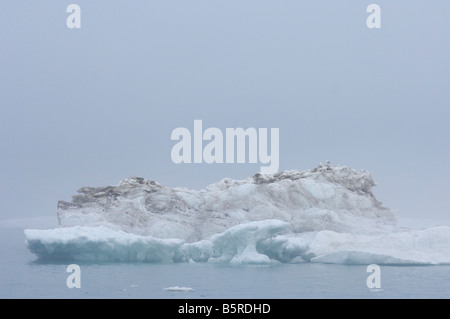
<point x="178" y="289"/>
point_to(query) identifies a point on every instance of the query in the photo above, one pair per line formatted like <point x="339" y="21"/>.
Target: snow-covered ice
<point x="327" y="214"/>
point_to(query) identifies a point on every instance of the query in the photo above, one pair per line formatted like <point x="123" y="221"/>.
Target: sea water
<point x="21" y="276"/>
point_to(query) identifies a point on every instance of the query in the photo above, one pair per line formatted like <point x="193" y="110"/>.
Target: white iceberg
<point x="327" y="214"/>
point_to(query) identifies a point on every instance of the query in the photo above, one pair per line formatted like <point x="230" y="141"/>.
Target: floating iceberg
<point x="327" y="214"/>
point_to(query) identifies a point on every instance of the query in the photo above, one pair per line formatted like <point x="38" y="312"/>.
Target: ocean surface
<point x="21" y="276"/>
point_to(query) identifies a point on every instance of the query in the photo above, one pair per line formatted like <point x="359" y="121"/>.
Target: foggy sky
<point x="91" y="106"/>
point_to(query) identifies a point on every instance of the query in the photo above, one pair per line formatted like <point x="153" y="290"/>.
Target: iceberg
<point x="327" y="214"/>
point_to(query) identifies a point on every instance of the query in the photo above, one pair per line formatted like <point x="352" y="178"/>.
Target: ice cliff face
<point x="327" y="197"/>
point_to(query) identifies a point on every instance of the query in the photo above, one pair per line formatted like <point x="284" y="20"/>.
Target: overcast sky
<point x="91" y="106"/>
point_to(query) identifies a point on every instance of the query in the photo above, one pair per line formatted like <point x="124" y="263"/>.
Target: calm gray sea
<point x="22" y="277"/>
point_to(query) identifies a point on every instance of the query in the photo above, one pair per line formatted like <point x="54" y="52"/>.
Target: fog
<point x="91" y="106"/>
